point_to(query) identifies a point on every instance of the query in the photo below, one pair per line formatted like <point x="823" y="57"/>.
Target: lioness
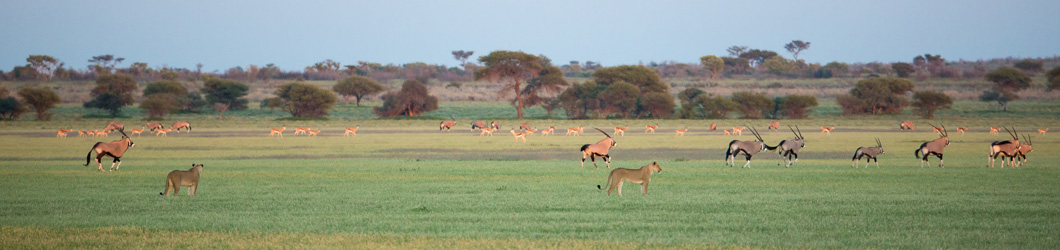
<point x="638" y="176"/>
<point x="177" y="178"/>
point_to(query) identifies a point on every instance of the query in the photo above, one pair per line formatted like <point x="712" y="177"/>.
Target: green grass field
<point x="402" y="184"/>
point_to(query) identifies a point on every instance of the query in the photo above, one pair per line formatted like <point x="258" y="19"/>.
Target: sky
<point x="222" y="34"/>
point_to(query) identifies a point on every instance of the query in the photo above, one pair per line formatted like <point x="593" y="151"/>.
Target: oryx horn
<point x="605" y="133"/>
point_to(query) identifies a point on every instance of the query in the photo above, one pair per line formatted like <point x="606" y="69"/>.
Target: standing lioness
<point x="637" y="176"/>
<point x="177" y="178"/>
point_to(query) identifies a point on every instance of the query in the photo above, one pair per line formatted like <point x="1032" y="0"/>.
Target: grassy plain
<point x="403" y="184"/>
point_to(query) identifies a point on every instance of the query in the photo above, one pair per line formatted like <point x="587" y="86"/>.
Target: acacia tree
<point x="713" y="64"/>
<point x="306" y="100"/>
<point x="549" y="82"/>
<point x="41" y="99"/>
<point x="45" y="65"/>
<point x="225" y="94"/>
<point x="619" y="97"/>
<point x="412" y="100"/>
<point x="510" y="68"/>
<point x="112" y="92"/>
<point x="927" y="102"/>
<point x="162" y="98"/>
<point x="357" y="86"/>
<point x="103" y="64"/>
<point x="462" y="56"/>
<point x="876" y="95"/>
<point x="1007" y="82"/>
<point x="796" y="47"/>
<point x="903" y="69"/>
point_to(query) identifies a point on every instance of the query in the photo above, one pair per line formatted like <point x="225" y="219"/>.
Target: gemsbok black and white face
<point x="790" y="148"/>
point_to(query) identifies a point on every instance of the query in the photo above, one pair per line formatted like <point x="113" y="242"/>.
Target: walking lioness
<point x="177" y="178"/>
<point x="637" y="176"/>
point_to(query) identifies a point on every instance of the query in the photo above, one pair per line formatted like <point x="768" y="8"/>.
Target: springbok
<point x="1024" y="149"/>
<point x="994" y="130"/>
<point x="790" y="148"/>
<point x="960" y="130"/>
<point x="154" y="125"/>
<point x="300" y="130"/>
<point x="91" y="133"/>
<point x="827" y="129"/>
<point x="936" y="130"/>
<point x="775" y="125"/>
<point x="102" y="133"/>
<point x="739" y="130"/>
<point x="179" y="125"/>
<point x="352" y="131"/>
<point x="62" y="133"/>
<point x="277" y="131"/>
<point x="446" y="125"/>
<point x="870" y="152"/>
<point x="1042" y="131"/>
<point x="519" y="135"/>
<point x="137" y="132"/>
<point x="577" y="131"/>
<point x="163" y="131"/>
<point x="748" y="148"/>
<point x="621" y="130"/>
<point x="726" y="132"/>
<point x="113" y="126"/>
<point x="934" y="147"/>
<point x="601" y="148"/>
<point x="650" y="128"/>
<point x="81" y="133"/>
<point x="477" y="124"/>
<point x="906" y="125"/>
<point x="530" y="132"/>
<point x="680" y="132"/>
<point x="524" y="126"/>
<point x="713" y="126"/>
<point x="114" y="149"/>
<point x="1007" y="148"/>
<point x="486" y="131"/>
<point x="313" y="132"/>
<point x="545" y="132"/>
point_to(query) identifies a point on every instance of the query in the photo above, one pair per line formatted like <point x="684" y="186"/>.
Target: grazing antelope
<point x="961" y="130"/>
<point x="114" y="149"/>
<point x="154" y="125"/>
<point x="994" y="130"/>
<point x="164" y="132"/>
<point x="790" y="148"/>
<point x="577" y="131"/>
<point x="726" y="132"/>
<point x="739" y="130"/>
<point x="870" y="152"/>
<point x="277" y="131"/>
<point x="313" y="132"/>
<point x="1024" y="149"/>
<point x="62" y="133"/>
<point x="113" y="126"/>
<point x="713" y="126"/>
<point x="748" y="148"/>
<point x="477" y="124"/>
<point x="680" y="132"/>
<point x="1042" y="131"/>
<point x="519" y="135"/>
<point x="775" y="125"/>
<point x="446" y="125"/>
<point x="300" y="130"/>
<point x="934" y="147"/>
<point x="621" y="130"/>
<point x="524" y="126"/>
<point x="352" y="131"/>
<point x="600" y="148"/>
<point x="495" y="125"/>
<point x="81" y="133"/>
<point x="827" y="129"/>
<point x="179" y="125"/>
<point x="138" y="131"/>
<point x="486" y="131"/>
<point x="651" y="128"/>
<point x="906" y="125"/>
<point x="1008" y="148"/>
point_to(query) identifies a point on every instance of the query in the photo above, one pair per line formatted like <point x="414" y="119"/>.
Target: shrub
<point x="876" y="95"/>
<point x="660" y="105"/>
<point x="715" y="106"/>
<point x="753" y="105"/>
<point x="927" y="102"/>
<point x="798" y="106"/>
<point x="41" y="99"/>
<point x="306" y="100"/>
<point x="357" y="86"/>
<point x="412" y="100"/>
<point x="1053" y="77"/>
<point x="159" y="105"/>
<point x="112" y="92"/>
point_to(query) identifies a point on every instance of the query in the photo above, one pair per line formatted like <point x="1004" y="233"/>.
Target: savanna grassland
<point x="403" y="184"/>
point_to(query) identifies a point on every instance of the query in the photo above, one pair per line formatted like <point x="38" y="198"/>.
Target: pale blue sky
<point x="293" y="34"/>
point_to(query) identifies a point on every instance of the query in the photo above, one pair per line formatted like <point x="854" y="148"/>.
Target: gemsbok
<point x="137" y="132"/>
<point x="680" y="132"/>
<point x="827" y="129"/>
<point x="446" y="125"/>
<point x="621" y="130"/>
<point x="313" y="132"/>
<point x="113" y="126"/>
<point x="179" y="125"/>
<point x="486" y="131"/>
<point x="870" y="152"/>
<point x="775" y="125"/>
<point x="1007" y="148"/>
<point x="1042" y="131"/>
<point x="994" y="130"/>
<point x="477" y="124"/>
<point x="790" y="148"/>
<point x="748" y="148"/>
<point x="154" y="125"/>
<point x="601" y="148"/>
<point x="934" y="147"/>
<point x="1024" y="149"/>
<point x="277" y="131"/>
<point x="300" y="130"/>
<point x="960" y="130"/>
<point x="163" y="131"/>
<point x="577" y="131"/>
<point x="351" y="131"/>
<point x="906" y="125"/>
<point x="739" y="130"/>
<point x="62" y="133"/>
<point x="114" y="149"/>
<point x="519" y="135"/>
<point x="650" y="128"/>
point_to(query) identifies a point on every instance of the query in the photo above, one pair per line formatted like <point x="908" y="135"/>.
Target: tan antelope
<point x="477" y="125"/>
<point x="726" y="132"/>
<point x="102" y="133"/>
<point x="905" y="125"/>
<point x="870" y="152"/>
<point x="1024" y="149"/>
<point x="790" y="148"/>
<point x="960" y="130"/>
<point x="1007" y="148"/>
<point x="934" y="147"/>
<point x="601" y="148"/>
<point x="277" y="131"/>
<point x="62" y="133"/>
<point x="680" y="132"/>
<point x="650" y="128"/>
<point x="81" y="133"/>
<point x="114" y="149"/>
<point x="530" y="132"/>
<point x="113" y="126"/>
<point x="748" y="148"/>
<point x="936" y="130"/>
<point x="545" y="132"/>
<point x="91" y="133"/>
<point x="351" y="131"/>
<point x="621" y="130"/>
<point x="827" y="129"/>
<point x="577" y="131"/>
<point x="446" y="125"/>
<point x="519" y="135"/>
<point x="300" y="130"/>
<point x="138" y="131"/>
<point x="313" y="132"/>
<point x="524" y="126"/>
<point x="163" y="131"/>
<point x="1042" y="131"/>
<point x="713" y="127"/>
<point x="180" y="125"/>
<point x="994" y="130"/>
<point x="739" y="130"/>
<point x="775" y="125"/>
<point x="486" y="131"/>
<point x="154" y="125"/>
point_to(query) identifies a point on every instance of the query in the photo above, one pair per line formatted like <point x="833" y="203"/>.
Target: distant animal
<point x="1042" y="131"/>
<point x="713" y="127"/>
<point x="934" y="147"/>
<point x="640" y="176"/>
<point x="680" y="132"/>
<point x="477" y="124"/>
<point x="827" y="129"/>
<point x="137" y="132"/>
<point x="726" y="132"/>
<point x="621" y="130"/>
<point x="524" y="126"/>
<point x="748" y="148"/>
<point x="601" y="148"/>
<point x="154" y="125"/>
<point x="530" y="132"/>
<point x="353" y="131"/>
<point x="545" y="132"/>
<point x="576" y="131"/>
<point x="190" y="178"/>
<point x="313" y="132"/>
<point x="486" y="131"/>
<point x="961" y="130"/>
<point x="113" y="126"/>
<point x="300" y="130"/>
<point x="164" y="132"/>
<point x="870" y="152"/>
<point x="1007" y="148"/>
<point x="61" y="133"/>
<point x="90" y="133"/>
<point x="81" y="133"/>
<point x="650" y="128"/>
<point x="495" y="125"/>
<point x="519" y="135"/>
<point x="775" y="125"/>
<point x="114" y="149"/>
<point x="102" y="133"/>
<point x="446" y="125"/>
<point x="790" y="148"/>
<point x="936" y="130"/>
<point x="906" y="125"/>
<point x="994" y="130"/>
<point x="738" y="130"/>
<point x="277" y="131"/>
<point x="181" y="125"/>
